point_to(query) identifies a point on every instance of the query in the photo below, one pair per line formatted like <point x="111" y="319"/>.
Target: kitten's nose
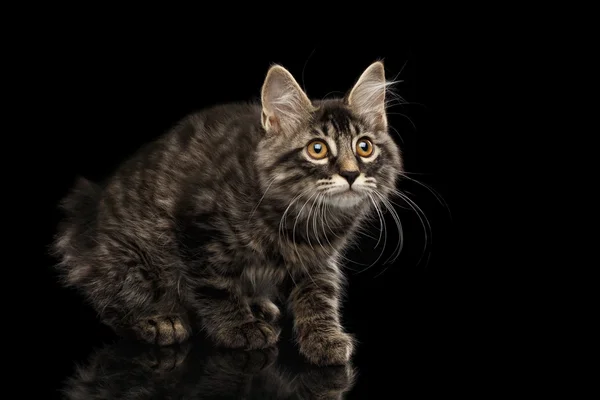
<point x="350" y="176"/>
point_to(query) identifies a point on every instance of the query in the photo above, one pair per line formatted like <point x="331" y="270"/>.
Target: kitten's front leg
<point x="315" y="305"/>
<point x="227" y="318"/>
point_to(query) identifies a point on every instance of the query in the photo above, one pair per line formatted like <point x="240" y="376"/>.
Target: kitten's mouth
<point x="347" y="198"/>
<point x="349" y="192"/>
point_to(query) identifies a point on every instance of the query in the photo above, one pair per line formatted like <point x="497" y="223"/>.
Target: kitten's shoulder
<point x="212" y="120"/>
<point x="227" y="112"/>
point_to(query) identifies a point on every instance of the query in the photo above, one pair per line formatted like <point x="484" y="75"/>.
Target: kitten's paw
<point x="162" y="330"/>
<point x="250" y="336"/>
<point x="327" y="348"/>
<point x="265" y="309"/>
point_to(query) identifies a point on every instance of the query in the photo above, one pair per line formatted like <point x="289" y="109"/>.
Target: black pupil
<point x="317" y="147"/>
<point x="364" y="146"/>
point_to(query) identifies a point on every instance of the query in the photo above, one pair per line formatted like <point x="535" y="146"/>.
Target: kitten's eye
<point x="364" y="147"/>
<point x="317" y="149"/>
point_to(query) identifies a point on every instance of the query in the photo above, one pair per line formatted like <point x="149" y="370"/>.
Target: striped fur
<point x="226" y="221"/>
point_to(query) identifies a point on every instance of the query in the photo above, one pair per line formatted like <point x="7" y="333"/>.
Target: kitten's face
<point x="337" y="158"/>
<point x="333" y="152"/>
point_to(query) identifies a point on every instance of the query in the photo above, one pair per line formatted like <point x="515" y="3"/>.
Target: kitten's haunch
<point x="238" y="210"/>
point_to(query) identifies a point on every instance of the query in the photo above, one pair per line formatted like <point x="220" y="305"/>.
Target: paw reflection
<point x="162" y="359"/>
<point x="326" y="383"/>
<point x="195" y="370"/>
<point x="242" y="362"/>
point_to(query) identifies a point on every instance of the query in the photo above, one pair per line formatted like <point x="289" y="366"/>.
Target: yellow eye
<point x="364" y="147"/>
<point x="317" y="149"/>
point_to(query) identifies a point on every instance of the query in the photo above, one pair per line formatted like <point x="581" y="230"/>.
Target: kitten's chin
<point x="348" y="199"/>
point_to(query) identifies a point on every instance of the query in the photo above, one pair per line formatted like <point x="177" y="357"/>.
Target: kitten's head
<point x="336" y="150"/>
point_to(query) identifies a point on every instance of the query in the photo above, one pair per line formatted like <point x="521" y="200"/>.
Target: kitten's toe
<point x="162" y="330"/>
<point x="266" y="310"/>
<point x="251" y="335"/>
<point x="327" y="348"/>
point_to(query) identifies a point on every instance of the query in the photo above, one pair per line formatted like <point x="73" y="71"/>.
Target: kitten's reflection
<point x="129" y="370"/>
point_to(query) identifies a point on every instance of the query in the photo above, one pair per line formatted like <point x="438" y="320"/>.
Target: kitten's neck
<point x="314" y="223"/>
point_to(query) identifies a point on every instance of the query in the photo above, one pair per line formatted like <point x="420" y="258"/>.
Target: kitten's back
<point x="201" y="146"/>
<point x="80" y="207"/>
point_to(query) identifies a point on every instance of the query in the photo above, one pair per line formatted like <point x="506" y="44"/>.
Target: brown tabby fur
<point x="226" y="218"/>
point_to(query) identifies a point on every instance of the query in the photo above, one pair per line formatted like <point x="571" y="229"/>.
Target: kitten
<point x="238" y="210"/>
<point x="126" y="371"/>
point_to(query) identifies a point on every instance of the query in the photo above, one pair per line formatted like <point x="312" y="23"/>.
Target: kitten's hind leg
<point x="144" y="304"/>
<point x="228" y="320"/>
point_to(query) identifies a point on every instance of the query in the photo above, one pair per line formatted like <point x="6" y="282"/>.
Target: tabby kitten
<point x="236" y="211"/>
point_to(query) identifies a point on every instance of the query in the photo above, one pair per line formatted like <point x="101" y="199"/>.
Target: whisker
<point x="325" y="222"/>
<point x="321" y="186"/>
<point x="415" y="207"/>
<point x="319" y="203"/>
<point x="396" y="217"/>
<point x="380" y="223"/>
<point x="397" y="133"/>
<point x="365" y="232"/>
<point x="427" y="231"/>
<point x="308" y="220"/>
<point x="416" y="173"/>
<point x="434" y="192"/>
<point x="294" y="238"/>
<point x="283" y="216"/>
<point x="405" y="116"/>
<point x="333" y="92"/>
<point x="281" y="222"/>
<point x="261" y="199"/>
<point x="329" y="191"/>
<point x="383" y="228"/>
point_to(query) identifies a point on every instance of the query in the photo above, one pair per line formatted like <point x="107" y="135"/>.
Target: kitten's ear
<point x="367" y="97"/>
<point x="284" y="105"/>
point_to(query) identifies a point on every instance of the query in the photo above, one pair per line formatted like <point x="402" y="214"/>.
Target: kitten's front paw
<point x="162" y="330"/>
<point x="327" y="348"/>
<point x="266" y="310"/>
<point x="250" y="336"/>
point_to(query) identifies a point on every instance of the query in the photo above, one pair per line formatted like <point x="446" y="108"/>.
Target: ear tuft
<point x="368" y="96"/>
<point x="284" y="105"/>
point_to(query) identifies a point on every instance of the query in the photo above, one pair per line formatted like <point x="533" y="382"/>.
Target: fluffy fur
<point x="229" y="217"/>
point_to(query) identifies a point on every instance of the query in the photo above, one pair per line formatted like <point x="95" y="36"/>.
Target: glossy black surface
<point x="416" y="322"/>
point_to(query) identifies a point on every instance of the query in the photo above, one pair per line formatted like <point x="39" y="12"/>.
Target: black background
<point x="103" y="93"/>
